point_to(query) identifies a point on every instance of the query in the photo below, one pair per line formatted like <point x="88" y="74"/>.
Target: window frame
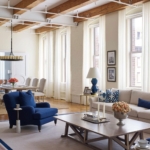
<point x="130" y="52"/>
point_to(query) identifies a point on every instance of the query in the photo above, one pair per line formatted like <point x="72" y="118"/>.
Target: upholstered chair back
<point x="28" y="80"/>
<point x="42" y="85"/>
<point x="35" y="82"/>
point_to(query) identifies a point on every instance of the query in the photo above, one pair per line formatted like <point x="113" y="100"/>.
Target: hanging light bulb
<point x="11" y="56"/>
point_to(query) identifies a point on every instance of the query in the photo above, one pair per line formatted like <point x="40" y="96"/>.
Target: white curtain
<point x="88" y="50"/>
<point x="68" y="66"/>
<point x="102" y="58"/>
<point x="49" y="65"/>
<point x="86" y="54"/>
<point x="46" y="61"/>
<point x="59" y="87"/>
<point x="57" y="65"/>
<point x="40" y="73"/>
<point x="122" y="76"/>
<point x="146" y="48"/>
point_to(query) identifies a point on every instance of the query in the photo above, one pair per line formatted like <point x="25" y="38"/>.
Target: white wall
<point x="112" y="42"/>
<point x="22" y="42"/>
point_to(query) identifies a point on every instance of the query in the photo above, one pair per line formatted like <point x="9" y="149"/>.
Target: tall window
<point x="136" y="52"/>
<point x="63" y="58"/>
<point x="96" y="47"/>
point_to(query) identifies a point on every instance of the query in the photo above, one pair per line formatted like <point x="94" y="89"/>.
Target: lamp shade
<point x="93" y="73"/>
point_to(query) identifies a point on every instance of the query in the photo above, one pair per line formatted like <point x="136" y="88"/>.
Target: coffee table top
<point x="108" y="129"/>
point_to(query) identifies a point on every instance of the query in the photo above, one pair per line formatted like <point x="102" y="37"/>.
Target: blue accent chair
<point x="32" y="113"/>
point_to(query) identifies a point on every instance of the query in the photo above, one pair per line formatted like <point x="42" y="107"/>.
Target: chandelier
<point x="11" y="56"/>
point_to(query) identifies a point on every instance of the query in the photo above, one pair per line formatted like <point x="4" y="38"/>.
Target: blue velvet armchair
<point x="32" y="113"/>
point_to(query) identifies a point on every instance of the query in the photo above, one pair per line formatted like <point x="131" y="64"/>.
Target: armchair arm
<point x="91" y="100"/>
<point x="43" y="105"/>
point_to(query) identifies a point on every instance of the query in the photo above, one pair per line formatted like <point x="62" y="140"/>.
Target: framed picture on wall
<point x="111" y="57"/>
<point x="111" y="74"/>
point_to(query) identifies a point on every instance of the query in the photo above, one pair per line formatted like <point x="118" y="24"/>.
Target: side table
<point x="18" y="129"/>
<point x="86" y="95"/>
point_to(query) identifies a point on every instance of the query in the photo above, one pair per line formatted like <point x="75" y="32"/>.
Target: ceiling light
<point x="11" y="56"/>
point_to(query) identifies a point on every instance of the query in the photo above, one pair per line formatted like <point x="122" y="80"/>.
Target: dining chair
<point x="1" y="97"/>
<point x="28" y="80"/>
<point x="35" y="82"/>
<point x="39" y="94"/>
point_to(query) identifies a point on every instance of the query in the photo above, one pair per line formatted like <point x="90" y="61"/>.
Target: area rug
<point x="4" y="146"/>
<point x="48" y="139"/>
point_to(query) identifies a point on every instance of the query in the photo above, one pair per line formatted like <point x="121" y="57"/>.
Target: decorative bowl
<point x="120" y="116"/>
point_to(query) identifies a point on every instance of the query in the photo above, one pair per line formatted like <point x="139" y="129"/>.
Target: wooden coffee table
<point x="109" y="130"/>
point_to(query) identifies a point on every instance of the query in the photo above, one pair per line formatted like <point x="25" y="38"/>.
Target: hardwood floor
<point x="62" y="105"/>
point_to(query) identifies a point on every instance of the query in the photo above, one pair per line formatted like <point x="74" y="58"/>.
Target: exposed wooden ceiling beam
<point x="68" y="6"/>
<point x="3" y="21"/>
<point x="28" y="4"/>
<point x="105" y="9"/>
<point x="46" y="29"/>
<point x="24" y="26"/>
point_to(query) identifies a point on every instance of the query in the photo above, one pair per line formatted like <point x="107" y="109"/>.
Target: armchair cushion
<point x="26" y="99"/>
<point x="41" y="113"/>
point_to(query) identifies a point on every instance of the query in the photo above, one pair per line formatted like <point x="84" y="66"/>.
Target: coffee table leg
<point x="127" y="141"/>
<point x="109" y="144"/>
<point x="141" y="135"/>
<point x="66" y="130"/>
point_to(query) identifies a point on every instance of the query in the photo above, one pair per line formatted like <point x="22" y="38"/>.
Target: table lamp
<point x="93" y="73"/>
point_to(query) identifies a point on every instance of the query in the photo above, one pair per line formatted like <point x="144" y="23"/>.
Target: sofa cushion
<point x="41" y="113"/>
<point x="144" y="103"/>
<point x="112" y="96"/>
<point x="135" y="110"/>
<point x="26" y="99"/>
<point x="108" y="106"/>
<point x="139" y="94"/>
<point x="144" y="114"/>
<point x="124" y="95"/>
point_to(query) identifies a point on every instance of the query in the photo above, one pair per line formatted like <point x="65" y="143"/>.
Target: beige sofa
<point x="131" y="97"/>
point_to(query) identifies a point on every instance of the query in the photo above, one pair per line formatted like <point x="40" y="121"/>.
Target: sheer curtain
<point x="68" y="66"/>
<point x="46" y="61"/>
<point x="57" y="65"/>
<point x="146" y="48"/>
<point x="86" y="54"/>
<point x="102" y="58"/>
<point x="88" y="50"/>
<point x="49" y="66"/>
<point x="60" y="87"/>
<point x="122" y="76"/>
<point x="40" y="72"/>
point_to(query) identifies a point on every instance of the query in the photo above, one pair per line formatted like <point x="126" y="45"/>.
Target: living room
<point x="43" y="58"/>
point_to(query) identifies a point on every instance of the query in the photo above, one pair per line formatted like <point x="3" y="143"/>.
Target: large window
<point x="96" y="47"/>
<point x="63" y="58"/>
<point x="136" y="52"/>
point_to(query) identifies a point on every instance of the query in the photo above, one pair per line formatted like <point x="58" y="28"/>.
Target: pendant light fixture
<point x="11" y="56"/>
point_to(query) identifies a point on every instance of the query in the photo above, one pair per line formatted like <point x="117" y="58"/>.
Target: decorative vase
<point x="120" y="116"/>
<point x="13" y="84"/>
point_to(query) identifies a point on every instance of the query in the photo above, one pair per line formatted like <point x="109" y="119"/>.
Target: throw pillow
<point x="101" y="96"/>
<point x="26" y="99"/>
<point x="112" y="96"/>
<point x="143" y="103"/>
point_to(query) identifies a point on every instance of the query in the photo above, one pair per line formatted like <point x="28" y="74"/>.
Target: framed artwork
<point x="111" y="57"/>
<point x="111" y="74"/>
<point x="85" y="90"/>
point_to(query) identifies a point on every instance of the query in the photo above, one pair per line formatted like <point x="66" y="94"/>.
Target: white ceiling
<point x="40" y="17"/>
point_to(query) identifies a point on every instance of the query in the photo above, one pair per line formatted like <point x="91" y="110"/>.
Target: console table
<point x="87" y="95"/>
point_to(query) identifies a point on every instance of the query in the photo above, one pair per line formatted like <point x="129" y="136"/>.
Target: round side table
<point x="18" y="129"/>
